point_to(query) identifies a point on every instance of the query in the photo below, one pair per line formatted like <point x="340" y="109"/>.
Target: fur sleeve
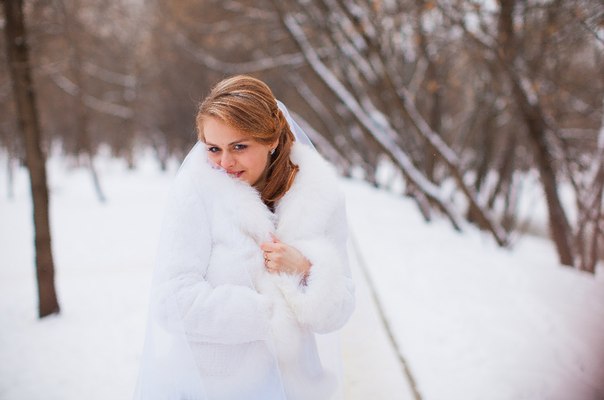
<point x="326" y="301"/>
<point x="226" y="314"/>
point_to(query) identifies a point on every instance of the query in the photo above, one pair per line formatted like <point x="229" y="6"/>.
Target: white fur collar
<point x="311" y="196"/>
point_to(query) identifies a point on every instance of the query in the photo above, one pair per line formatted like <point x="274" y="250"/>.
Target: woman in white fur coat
<point x="252" y="271"/>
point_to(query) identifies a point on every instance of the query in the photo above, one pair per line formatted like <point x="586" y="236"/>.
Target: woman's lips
<point x="235" y="174"/>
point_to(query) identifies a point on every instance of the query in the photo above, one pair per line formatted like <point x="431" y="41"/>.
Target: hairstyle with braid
<point x="248" y="105"/>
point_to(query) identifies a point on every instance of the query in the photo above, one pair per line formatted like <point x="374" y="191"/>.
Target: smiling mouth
<point x="235" y="174"/>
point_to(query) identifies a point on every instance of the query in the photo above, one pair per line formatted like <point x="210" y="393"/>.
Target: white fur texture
<point x="211" y="269"/>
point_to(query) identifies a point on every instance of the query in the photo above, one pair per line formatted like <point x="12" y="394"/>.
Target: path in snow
<point x="371" y="367"/>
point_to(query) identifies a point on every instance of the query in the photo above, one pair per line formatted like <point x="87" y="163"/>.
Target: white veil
<point x="295" y="128"/>
<point x="169" y="368"/>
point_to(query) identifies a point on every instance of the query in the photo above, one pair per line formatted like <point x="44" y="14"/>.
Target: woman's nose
<point x="226" y="160"/>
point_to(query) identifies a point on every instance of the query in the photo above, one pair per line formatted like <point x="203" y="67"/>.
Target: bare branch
<point x="380" y="128"/>
<point x="102" y="106"/>
<point x="125" y="80"/>
<point x="264" y="64"/>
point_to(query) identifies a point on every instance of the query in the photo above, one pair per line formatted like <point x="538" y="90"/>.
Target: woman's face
<point x="240" y="155"/>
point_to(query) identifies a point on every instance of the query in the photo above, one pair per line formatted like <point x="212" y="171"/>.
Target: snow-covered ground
<point x="475" y="321"/>
<point x="472" y="321"/>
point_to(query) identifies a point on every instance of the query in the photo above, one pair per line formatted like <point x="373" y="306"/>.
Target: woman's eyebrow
<point x="230" y="144"/>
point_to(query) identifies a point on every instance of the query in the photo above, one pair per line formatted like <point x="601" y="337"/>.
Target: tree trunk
<point x="558" y="222"/>
<point x="536" y="126"/>
<point x="24" y="94"/>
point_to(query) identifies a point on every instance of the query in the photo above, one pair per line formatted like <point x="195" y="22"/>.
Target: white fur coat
<point x="251" y="334"/>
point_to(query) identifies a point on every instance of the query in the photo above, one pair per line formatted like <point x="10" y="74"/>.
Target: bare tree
<point x="24" y="94"/>
<point x="522" y="43"/>
<point x="376" y="96"/>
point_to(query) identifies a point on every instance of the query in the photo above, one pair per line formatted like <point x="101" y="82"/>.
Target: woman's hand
<point x="283" y="258"/>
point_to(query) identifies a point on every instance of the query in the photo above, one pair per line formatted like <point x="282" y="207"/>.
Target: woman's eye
<point x="240" y="147"/>
<point x="213" y="149"/>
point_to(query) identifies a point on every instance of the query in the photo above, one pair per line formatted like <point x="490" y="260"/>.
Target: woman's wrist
<point x="305" y="271"/>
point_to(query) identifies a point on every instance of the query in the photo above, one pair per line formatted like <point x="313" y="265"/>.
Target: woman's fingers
<point x="275" y="262"/>
<point x="270" y="246"/>
<point x="273" y="256"/>
<point x="280" y="257"/>
<point x="272" y="266"/>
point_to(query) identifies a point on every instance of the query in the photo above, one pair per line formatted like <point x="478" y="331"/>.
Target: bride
<point x="252" y="277"/>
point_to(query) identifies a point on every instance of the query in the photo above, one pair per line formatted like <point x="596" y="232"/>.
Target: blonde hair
<point x="248" y="105"/>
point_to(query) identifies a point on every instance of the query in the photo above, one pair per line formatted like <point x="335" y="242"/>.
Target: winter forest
<point x="477" y="126"/>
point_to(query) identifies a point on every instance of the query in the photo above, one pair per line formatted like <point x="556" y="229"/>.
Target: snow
<point x="103" y="254"/>
<point x="476" y="321"/>
<point x="473" y="321"/>
<point x="365" y="345"/>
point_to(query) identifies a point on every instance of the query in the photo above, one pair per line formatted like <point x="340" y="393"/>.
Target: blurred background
<point x="479" y="117"/>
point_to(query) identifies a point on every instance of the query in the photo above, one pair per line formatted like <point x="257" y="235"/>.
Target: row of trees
<point x="447" y="91"/>
<point x="451" y="93"/>
<point x="454" y="90"/>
